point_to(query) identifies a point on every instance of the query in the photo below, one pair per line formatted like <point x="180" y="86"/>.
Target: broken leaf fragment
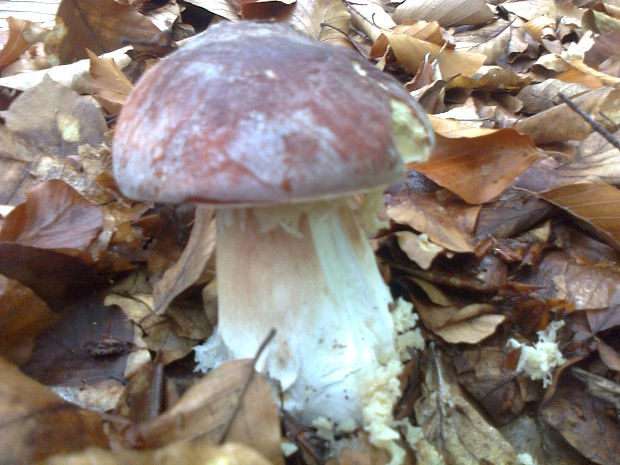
<point x="36" y="423"/>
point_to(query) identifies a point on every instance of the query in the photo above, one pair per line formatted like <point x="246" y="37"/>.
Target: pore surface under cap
<point x="251" y="113"/>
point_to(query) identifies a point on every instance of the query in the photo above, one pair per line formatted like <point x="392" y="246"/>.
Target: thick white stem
<point x="308" y="272"/>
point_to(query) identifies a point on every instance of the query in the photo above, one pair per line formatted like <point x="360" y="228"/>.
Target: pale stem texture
<point x="309" y="272"/>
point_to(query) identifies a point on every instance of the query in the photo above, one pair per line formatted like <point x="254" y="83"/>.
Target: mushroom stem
<point x="308" y="271"/>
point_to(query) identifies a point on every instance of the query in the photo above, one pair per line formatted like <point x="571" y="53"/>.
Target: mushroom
<point x="278" y="131"/>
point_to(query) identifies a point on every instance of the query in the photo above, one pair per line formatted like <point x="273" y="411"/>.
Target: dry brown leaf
<point x="446" y="222"/>
<point x="418" y="250"/>
<point x="410" y="52"/>
<point x="110" y="86"/>
<point x="99" y="25"/>
<point x="491" y="40"/>
<point x="23" y="316"/>
<point x="36" y="423"/>
<point x="16" y="44"/>
<point x="445" y="12"/>
<point x="477" y="164"/>
<point x="191" y="263"/>
<point x="54" y="216"/>
<point x="179" y="453"/>
<point x="530" y="9"/>
<point x="336" y="24"/>
<point x="490" y="78"/>
<point x="469" y="324"/>
<point x="582" y="420"/>
<point x="544" y="95"/>
<point x="596" y="204"/>
<point x="453" y="425"/>
<point x="608" y="355"/>
<point x="209" y="409"/>
<point x="588" y="76"/>
<point x="603" y="105"/>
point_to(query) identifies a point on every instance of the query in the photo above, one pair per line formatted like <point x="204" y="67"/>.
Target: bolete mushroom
<point x="278" y="130"/>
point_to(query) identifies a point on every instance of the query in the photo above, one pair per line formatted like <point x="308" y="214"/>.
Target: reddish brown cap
<point x="254" y="113"/>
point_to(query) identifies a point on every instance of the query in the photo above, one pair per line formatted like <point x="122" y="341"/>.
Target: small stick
<point x="609" y="137"/>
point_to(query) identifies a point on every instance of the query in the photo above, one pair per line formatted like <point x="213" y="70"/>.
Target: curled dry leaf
<point x="470" y="324"/>
<point x="191" y="263"/>
<point x="411" y="52"/>
<point x="596" y="204"/>
<point x="17" y="44"/>
<point x="595" y="158"/>
<point x="179" y="453"/>
<point x="110" y="86"/>
<point x="419" y="249"/>
<point x="23" y="316"/>
<point x="491" y="40"/>
<point x="445" y="12"/>
<point x="54" y="216"/>
<point x="36" y="423"/>
<point x="446" y="221"/>
<point x="210" y="409"/>
<point x="477" y="164"/>
<point x="544" y="95"/>
<point x="99" y="26"/>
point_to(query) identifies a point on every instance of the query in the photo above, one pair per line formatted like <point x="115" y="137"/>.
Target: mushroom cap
<point x="256" y="113"/>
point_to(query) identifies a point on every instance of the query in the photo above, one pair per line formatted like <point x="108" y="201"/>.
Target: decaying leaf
<point x="54" y="216"/>
<point x="36" y="423"/>
<point x="419" y="250"/>
<point x="453" y="425"/>
<point x="209" y="409"/>
<point x="23" y="316"/>
<point x="581" y="420"/>
<point x="16" y="44"/>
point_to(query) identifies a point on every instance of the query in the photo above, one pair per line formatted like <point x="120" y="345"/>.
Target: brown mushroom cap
<point x="254" y="113"/>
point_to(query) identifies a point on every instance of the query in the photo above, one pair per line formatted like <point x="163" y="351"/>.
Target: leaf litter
<point x="510" y="227"/>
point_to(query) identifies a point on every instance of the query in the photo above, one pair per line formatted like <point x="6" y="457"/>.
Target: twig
<point x="609" y="137"/>
<point x="246" y="386"/>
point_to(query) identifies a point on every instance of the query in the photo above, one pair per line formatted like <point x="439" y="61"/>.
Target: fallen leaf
<point x="23" y="317"/>
<point x="36" y="423"/>
<point x="16" y="44"/>
<point x="99" y="26"/>
<point x="370" y="17"/>
<point x="544" y="95"/>
<point x="446" y="221"/>
<point x="469" y="324"/>
<point x="445" y="12"/>
<point x="543" y="129"/>
<point x="54" y="216"/>
<point x="209" y="409"/>
<point x="420" y="251"/>
<point x="491" y="40"/>
<point x="477" y="164"/>
<point x="453" y="425"/>
<point x="191" y="263"/>
<point x="90" y="343"/>
<point x="410" y="53"/>
<point x="596" y="204"/>
<point x="179" y="453"/>
<point x="110" y="86"/>
<point x="581" y="420"/>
